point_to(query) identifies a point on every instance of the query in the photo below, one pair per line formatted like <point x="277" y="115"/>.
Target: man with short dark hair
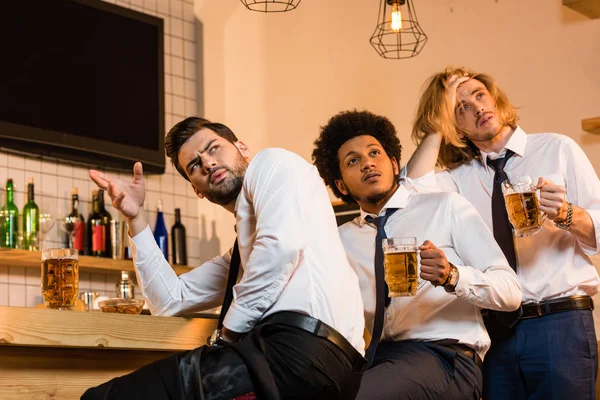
<point x="432" y="343"/>
<point x="295" y="324"/>
<point x="466" y="124"/>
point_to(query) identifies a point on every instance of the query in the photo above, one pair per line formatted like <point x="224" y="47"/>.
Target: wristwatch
<point x="566" y="223"/>
<point x="450" y="284"/>
<point x="215" y="338"/>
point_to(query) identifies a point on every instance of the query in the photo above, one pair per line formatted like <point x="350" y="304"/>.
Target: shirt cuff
<point x="143" y="244"/>
<point x="239" y="319"/>
<point x="426" y="183"/>
<point x="587" y="249"/>
<point x="465" y="280"/>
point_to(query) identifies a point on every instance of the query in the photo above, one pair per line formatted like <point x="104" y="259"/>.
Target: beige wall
<point x="275" y="78"/>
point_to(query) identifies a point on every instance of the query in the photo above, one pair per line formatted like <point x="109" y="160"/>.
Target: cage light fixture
<point x="271" y="5"/>
<point x="398" y="33"/>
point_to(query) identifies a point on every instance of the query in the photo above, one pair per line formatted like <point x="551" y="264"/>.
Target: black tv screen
<point x="82" y="80"/>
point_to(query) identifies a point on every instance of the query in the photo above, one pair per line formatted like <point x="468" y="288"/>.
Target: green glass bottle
<point x="10" y="219"/>
<point x="31" y="220"/>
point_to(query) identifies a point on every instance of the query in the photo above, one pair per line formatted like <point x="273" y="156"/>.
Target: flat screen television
<point x="82" y="80"/>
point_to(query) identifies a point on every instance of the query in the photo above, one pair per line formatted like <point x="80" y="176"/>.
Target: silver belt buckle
<point x="538" y="308"/>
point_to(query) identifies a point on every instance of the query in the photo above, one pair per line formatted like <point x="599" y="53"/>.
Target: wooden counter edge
<point x="21" y="326"/>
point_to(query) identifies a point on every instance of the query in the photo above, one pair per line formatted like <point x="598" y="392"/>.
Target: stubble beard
<point x="229" y="189"/>
<point x="375" y="198"/>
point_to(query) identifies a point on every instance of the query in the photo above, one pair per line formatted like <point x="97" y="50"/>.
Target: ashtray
<point x="122" y="306"/>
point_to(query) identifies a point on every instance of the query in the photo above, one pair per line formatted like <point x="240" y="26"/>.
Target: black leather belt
<point x="453" y="345"/>
<point x="466" y="350"/>
<point x="320" y="329"/>
<point x="534" y="310"/>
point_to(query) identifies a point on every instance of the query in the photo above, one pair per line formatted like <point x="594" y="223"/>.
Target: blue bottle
<point x="160" y="231"/>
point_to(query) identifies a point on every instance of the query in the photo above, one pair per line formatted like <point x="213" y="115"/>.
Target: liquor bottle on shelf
<point x="97" y="228"/>
<point x="75" y="225"/>
<point x="9" y="218"/>
<point x="160" y="231"/>
<point x="31" y="220"/>
<point x="178" y="238"/>
<point x="106" y="217"/>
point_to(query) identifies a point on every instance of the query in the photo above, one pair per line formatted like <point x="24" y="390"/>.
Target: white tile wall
<point x="54" y="180"/>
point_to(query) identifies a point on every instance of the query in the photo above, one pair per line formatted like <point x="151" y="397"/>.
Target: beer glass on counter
<point x="523" y="206"/>
<point x="60" y="278"/>
<point x="401" y="265"/>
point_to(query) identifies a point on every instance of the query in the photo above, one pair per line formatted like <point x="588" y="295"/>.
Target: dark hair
<point x="343" y="127"/>
<point x="182" y="131"/>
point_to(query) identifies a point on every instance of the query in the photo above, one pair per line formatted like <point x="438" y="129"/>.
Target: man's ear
<point x="395" y="166"/>
<point x="200" y="195"/>
<point x="341" y="187"/>
<point x="244" y="150"/>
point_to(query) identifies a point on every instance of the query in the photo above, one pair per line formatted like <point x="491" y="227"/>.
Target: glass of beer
<point x="401" y="266"/>
<point x="60" y="278"/>
<point x="523" y="206"/>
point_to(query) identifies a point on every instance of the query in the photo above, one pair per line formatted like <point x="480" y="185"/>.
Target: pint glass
<point x="60" y="278"/>
<point x="401" y="266"/>
<point x="523" y="206"/>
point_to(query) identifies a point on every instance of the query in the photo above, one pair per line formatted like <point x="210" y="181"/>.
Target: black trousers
<point x="418" y="371"/>
<point x="302" y="366"/>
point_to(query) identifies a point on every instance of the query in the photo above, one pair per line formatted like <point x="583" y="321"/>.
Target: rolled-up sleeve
<point x="583" y="188"/>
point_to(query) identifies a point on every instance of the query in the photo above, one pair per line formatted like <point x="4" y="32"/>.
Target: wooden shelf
<point x="24" y="258"/>
<point x="591" y="125"/>
<point x="589" y="8"/>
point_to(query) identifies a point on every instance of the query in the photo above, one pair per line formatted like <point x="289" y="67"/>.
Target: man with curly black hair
<point x="428" y="343"/>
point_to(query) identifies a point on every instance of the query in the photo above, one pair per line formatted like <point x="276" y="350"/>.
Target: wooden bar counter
<point x="52" y="354"/>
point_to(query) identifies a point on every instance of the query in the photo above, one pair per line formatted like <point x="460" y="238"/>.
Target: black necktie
<point x="381" y="288"/>
<point x="503" y="231"/>
<point x="234" y="268"/>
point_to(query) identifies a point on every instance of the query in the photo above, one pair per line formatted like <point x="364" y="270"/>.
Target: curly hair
<point x="342" y="127"/>
<point x="434" y="115"/>
<point x="182" y="131"/>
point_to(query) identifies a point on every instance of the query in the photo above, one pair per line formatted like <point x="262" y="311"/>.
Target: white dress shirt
<point x="452" y="224"/>
<point x="553" y="263"/>
<point x="291" y="256"/>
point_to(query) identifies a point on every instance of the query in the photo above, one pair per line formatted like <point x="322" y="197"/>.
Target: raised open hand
<point x="127" y="197"/>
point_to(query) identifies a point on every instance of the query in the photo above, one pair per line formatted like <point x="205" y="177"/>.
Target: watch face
<point x="453" y="277"/>
<point x="216" y="335"/>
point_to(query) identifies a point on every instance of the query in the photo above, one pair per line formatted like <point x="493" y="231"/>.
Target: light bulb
<point x="396" y="17"/>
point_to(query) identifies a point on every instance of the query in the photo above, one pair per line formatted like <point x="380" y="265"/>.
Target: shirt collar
<point x="398" y="200"/>
<point x="516" y="143"/>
